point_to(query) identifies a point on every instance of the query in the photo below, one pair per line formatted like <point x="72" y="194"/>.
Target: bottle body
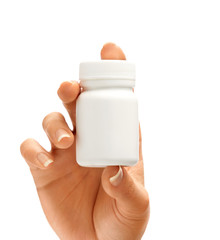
<point x="107" y="127"/>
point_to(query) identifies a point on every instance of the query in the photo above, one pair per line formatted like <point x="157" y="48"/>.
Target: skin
<point x="79" y="202"/>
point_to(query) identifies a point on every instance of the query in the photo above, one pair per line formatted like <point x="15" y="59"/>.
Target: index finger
<point x="68" y="93"/>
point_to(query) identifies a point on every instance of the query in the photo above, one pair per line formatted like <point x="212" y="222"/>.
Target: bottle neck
<point x="107" y="83"/>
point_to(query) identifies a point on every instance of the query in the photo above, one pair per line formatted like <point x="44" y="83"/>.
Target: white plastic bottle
<point x="107" y="125"/>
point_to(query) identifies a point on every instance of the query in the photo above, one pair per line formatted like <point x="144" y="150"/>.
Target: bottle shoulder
<point x="108" y="93"/>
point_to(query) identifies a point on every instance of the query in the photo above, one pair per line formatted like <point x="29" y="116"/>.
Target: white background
<point x="176" y="46"/>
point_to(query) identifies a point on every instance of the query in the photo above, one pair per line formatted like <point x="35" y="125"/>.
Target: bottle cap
<point x="107" y="70"/>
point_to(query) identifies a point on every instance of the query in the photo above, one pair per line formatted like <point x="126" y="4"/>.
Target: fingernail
<point x="44" y="159"/>
<point x="115" y="180"/>
<point x="61" y="133"/>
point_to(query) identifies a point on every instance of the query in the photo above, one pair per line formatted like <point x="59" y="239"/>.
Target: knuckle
<point x="51" y="117"/>
<point x="25" y="146"/>
<point x="130" y="189"/>
<point x="146" y="202"/>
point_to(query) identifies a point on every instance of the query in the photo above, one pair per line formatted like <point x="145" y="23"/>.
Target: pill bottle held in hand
<point x="107" y="125"/>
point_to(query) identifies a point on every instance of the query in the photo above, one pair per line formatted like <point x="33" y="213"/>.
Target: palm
<point x="74" y="201"/>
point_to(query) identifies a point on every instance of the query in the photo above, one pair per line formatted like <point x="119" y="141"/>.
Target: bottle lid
<point x="107" y="70"/>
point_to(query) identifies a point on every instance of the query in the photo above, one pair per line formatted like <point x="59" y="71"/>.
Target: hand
<point x="79" y="202"/>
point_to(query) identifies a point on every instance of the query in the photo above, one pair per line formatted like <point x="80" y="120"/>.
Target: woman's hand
<point x="85" y="203"/>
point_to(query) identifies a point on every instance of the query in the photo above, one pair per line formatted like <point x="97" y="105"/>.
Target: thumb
<point x="131" y="197"/>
